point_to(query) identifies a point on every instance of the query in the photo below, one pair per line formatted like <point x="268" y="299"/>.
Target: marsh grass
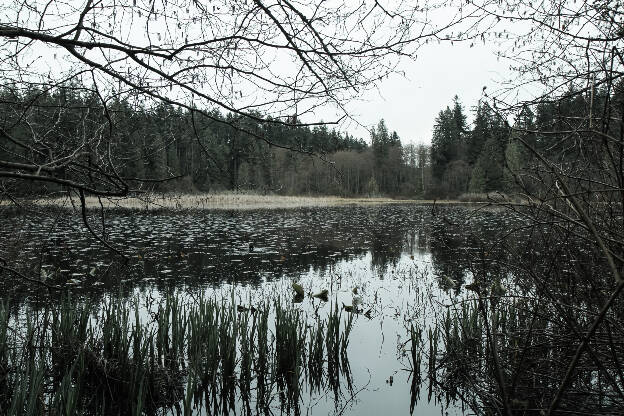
<point x="492" y="197"/>
<point x="416" y="344"/>
<point x="290" y="337"/>
<point x="69" y="359"/>
<point x="483" y="347"/>
<point x="4" y="357"/>
<point x="221" y="201"/>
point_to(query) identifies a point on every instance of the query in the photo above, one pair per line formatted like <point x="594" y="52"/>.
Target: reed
<point x="290" y="335"/>
<point x="73" y="358"/>
<point x="416" y="343"/>
<point x="228" y="334"/>
<point x="203" y="342"/>
<point x="218" y="201"/>
<point x="262" y="360"/>
<point x="27" y="397"/>
<point x="247" y="330"/>
<point x="316" y="356"/>
<point x="494" y="343"/>
<point x="4" y="357"/>
<point x="332" y="338"/>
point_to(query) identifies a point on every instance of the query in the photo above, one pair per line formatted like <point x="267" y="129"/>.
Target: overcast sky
<point x="410" y="104"/>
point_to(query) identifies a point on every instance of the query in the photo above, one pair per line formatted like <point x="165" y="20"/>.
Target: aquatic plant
<point x="73" y="358"/>
<point x="487" y="346"/>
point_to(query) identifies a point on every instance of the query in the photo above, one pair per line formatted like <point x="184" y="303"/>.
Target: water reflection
<point x="403" y="268"/>
<point x="244" y="247"/>
<point x="374" y="260"/>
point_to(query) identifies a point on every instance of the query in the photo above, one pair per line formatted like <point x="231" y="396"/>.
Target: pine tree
<point x="460" y="128"/>
<point x="442" y="146"/>
<point x="490" y="162"/>
<point x="448" y="145"/>
<point x="480" y="133"/>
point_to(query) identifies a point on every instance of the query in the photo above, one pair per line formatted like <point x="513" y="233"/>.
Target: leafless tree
<point x="565" y="108"/>
<point x="255" y="59"/>
<point x="281" y="58"/>
<point x="275" y="61"/>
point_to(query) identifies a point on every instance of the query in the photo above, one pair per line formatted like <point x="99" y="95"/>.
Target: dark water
<point x="399" y="265"/>
<point x="248" y="248"/>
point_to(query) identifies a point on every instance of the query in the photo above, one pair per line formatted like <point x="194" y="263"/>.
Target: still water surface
<point x="398" y="265"/>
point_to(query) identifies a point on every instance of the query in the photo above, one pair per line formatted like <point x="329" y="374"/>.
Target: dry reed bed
<point x="226" y="201"/>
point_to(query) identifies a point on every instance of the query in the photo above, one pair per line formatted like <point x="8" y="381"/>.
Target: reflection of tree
<point x="463" y="243"/>
<point x="383" y="252"/>
<point x="387" y="228"/>
<point x="215" y="247"/>
<point x="417" y="237"/>
<point x="448" y="261"/>
<point x="509" y="347"/>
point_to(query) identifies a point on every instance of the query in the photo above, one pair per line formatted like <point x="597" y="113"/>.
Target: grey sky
<point x="410" y="104"/>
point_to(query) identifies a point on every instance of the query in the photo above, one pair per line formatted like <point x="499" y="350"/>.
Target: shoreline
<point x="225" y="201"/>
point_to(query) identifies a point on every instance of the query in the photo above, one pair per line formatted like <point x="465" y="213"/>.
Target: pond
<point x="391" y="284"/>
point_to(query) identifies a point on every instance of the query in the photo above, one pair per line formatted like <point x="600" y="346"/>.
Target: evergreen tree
<point x="481" y="131"/>
<point x="525" y="122"/>
<point x="448" y="145"/>
<point x="210" y="153"/>
<point x="388" y="158"/>
<point x="460" y="128"/>
<point x="489" y="168"/>
<point x="380" y="140"/>
<point x="443" y="149"/>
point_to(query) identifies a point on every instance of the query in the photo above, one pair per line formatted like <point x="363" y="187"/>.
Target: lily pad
<point x="298" y="288"/>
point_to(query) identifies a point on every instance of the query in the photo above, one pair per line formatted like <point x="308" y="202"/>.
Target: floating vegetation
<point x="298" y="289"/>
<point x="418" y="308"/>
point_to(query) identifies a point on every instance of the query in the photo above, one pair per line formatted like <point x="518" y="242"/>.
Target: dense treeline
<point x="215" y="152"/>
<point x="468" y="160"/>
<point x="499" y="155"/>
<point x="206" y="152"/>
